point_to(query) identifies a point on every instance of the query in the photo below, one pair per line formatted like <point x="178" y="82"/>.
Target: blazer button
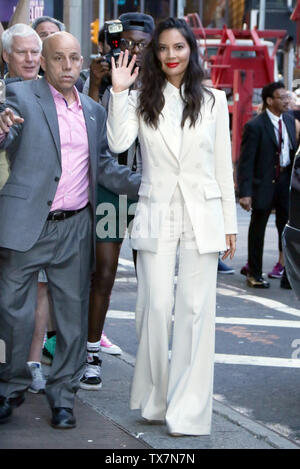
<point x="56" y="179"/>
<point x="49" y="203"/>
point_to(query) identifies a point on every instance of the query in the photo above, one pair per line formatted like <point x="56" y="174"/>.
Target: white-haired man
<point x="22" y="48"/>
<point x="21" y="51"/>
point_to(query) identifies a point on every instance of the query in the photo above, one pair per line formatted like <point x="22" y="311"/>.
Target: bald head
<point x="58" y="41"/>
<point x="61" y="60"/>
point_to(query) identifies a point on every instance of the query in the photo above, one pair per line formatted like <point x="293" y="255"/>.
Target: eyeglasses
<point x="282" y="98"/>
<point x="128" y="44"/>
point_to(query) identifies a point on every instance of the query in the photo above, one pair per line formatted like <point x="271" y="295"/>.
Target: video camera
<point x="112" y="34"/>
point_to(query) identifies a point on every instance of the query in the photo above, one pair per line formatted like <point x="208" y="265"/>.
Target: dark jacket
<point x="258" y="159"/>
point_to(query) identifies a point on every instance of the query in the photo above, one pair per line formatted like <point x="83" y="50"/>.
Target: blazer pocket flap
<point x="212" y="191"/>
<point x="145" y="190"/>
<point x="15" y="190"/>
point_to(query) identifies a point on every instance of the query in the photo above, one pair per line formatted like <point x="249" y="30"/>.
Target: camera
<point x="112" y="34"/>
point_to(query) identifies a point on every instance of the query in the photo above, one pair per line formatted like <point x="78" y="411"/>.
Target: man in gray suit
<point x="56" y="142"/>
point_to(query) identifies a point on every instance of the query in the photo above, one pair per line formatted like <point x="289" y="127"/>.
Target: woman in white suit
<point x="186" y="204"/>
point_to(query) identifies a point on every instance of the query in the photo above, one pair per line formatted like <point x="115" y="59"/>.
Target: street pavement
<point x="249" y="355"/>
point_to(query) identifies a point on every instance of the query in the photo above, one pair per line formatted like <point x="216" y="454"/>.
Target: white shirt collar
<point x="171" y="90"/>
<point x="273" y="117"/>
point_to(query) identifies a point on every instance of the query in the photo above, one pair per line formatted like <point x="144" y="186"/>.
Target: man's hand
<point x="99" y="68"/>
<point x="231" y="246"/>
<point x="8" y="119"/>
<point x="246" y="203"/>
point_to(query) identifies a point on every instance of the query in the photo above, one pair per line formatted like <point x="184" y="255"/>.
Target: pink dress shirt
<point x="73" y="188"/>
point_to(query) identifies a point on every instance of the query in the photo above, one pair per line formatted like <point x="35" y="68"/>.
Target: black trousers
<point x="259" y="220"/>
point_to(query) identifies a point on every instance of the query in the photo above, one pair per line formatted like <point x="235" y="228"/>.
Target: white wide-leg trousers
<point x="180" y="392"/>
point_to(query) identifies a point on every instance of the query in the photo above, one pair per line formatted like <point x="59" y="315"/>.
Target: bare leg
<point x="41" y="320"/>
<point x="281" y="258"/>
<point x="102" y="284"/>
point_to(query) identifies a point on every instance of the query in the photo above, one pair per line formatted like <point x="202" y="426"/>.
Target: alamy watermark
<point x="149" y="217"/>
<point x="2" y="351"/>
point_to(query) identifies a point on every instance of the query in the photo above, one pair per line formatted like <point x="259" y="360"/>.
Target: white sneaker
<point x="38" y="380"/>
<point x="107" y="347"/>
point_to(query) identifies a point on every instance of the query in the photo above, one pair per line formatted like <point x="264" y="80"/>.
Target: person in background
<point x="267" y="152"/>
<point x="136" y="35"/>
<point x="45" y="26"/>
<point x="21" y="52"/>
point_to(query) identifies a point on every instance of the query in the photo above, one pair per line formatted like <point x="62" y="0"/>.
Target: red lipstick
<point x="172" y="64"/>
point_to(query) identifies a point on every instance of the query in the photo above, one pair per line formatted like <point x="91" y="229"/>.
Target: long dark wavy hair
<point x="153" y="79"/>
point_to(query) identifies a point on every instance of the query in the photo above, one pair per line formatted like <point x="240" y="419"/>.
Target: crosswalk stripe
<point x="239" y="293"/>
<point x="246" y="360"/>
<point x="267" y="302"/>
<point x="242" y="295"/>
<point x="259" y="322"/>
<point x="257" y="361"/>
<point x="117" y="314"/>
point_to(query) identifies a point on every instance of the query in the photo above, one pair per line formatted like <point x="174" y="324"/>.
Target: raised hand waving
<point x="123" y="72"/>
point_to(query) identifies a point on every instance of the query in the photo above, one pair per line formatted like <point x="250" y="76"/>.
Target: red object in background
<point x="241" y="63"/>
<point x="295" y="16"/>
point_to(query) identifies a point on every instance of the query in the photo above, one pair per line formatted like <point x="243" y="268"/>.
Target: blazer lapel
<point x="191" y="133"/>
<point x="45" y="98"/>
<point x="166" y="132"/>
<point x="189" y="138"/>
<point x="165" y="128"/>
<point x="269" y="127"/>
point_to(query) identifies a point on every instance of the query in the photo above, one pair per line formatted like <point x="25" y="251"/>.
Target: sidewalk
<point x="104" y="421"/>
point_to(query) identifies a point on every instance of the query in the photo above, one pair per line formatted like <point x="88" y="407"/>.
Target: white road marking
<point x="118" y="314"/>
<point x="126" y="262"/>
<point x="259" y="322"/>
<point x="257" y="361"/>
<point x="236" y="292"/>
<point x="267" y="302"/>
<point x="238" y="360"/>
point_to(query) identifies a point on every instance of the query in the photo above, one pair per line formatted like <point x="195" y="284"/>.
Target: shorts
<point x="114" y="215"/>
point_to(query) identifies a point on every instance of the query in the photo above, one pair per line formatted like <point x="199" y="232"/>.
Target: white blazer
<point x="202" y="168"/>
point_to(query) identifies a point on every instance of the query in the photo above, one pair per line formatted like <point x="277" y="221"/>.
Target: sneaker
<point x="245" y="269"/>
<point x="224" y="269"/>
<point x="107" y="347"/>
<point x="49" y="350"/>
<point x="277" y="271"/>
<point x="91" y="380"/>
<point x="257" y="282"/>
<point x="38" y="380"/>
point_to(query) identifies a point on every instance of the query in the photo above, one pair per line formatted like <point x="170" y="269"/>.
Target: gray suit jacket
<point x="34" y="153"/>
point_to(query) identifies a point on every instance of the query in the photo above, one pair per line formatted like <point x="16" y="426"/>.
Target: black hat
<point x="137" y="21"/>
